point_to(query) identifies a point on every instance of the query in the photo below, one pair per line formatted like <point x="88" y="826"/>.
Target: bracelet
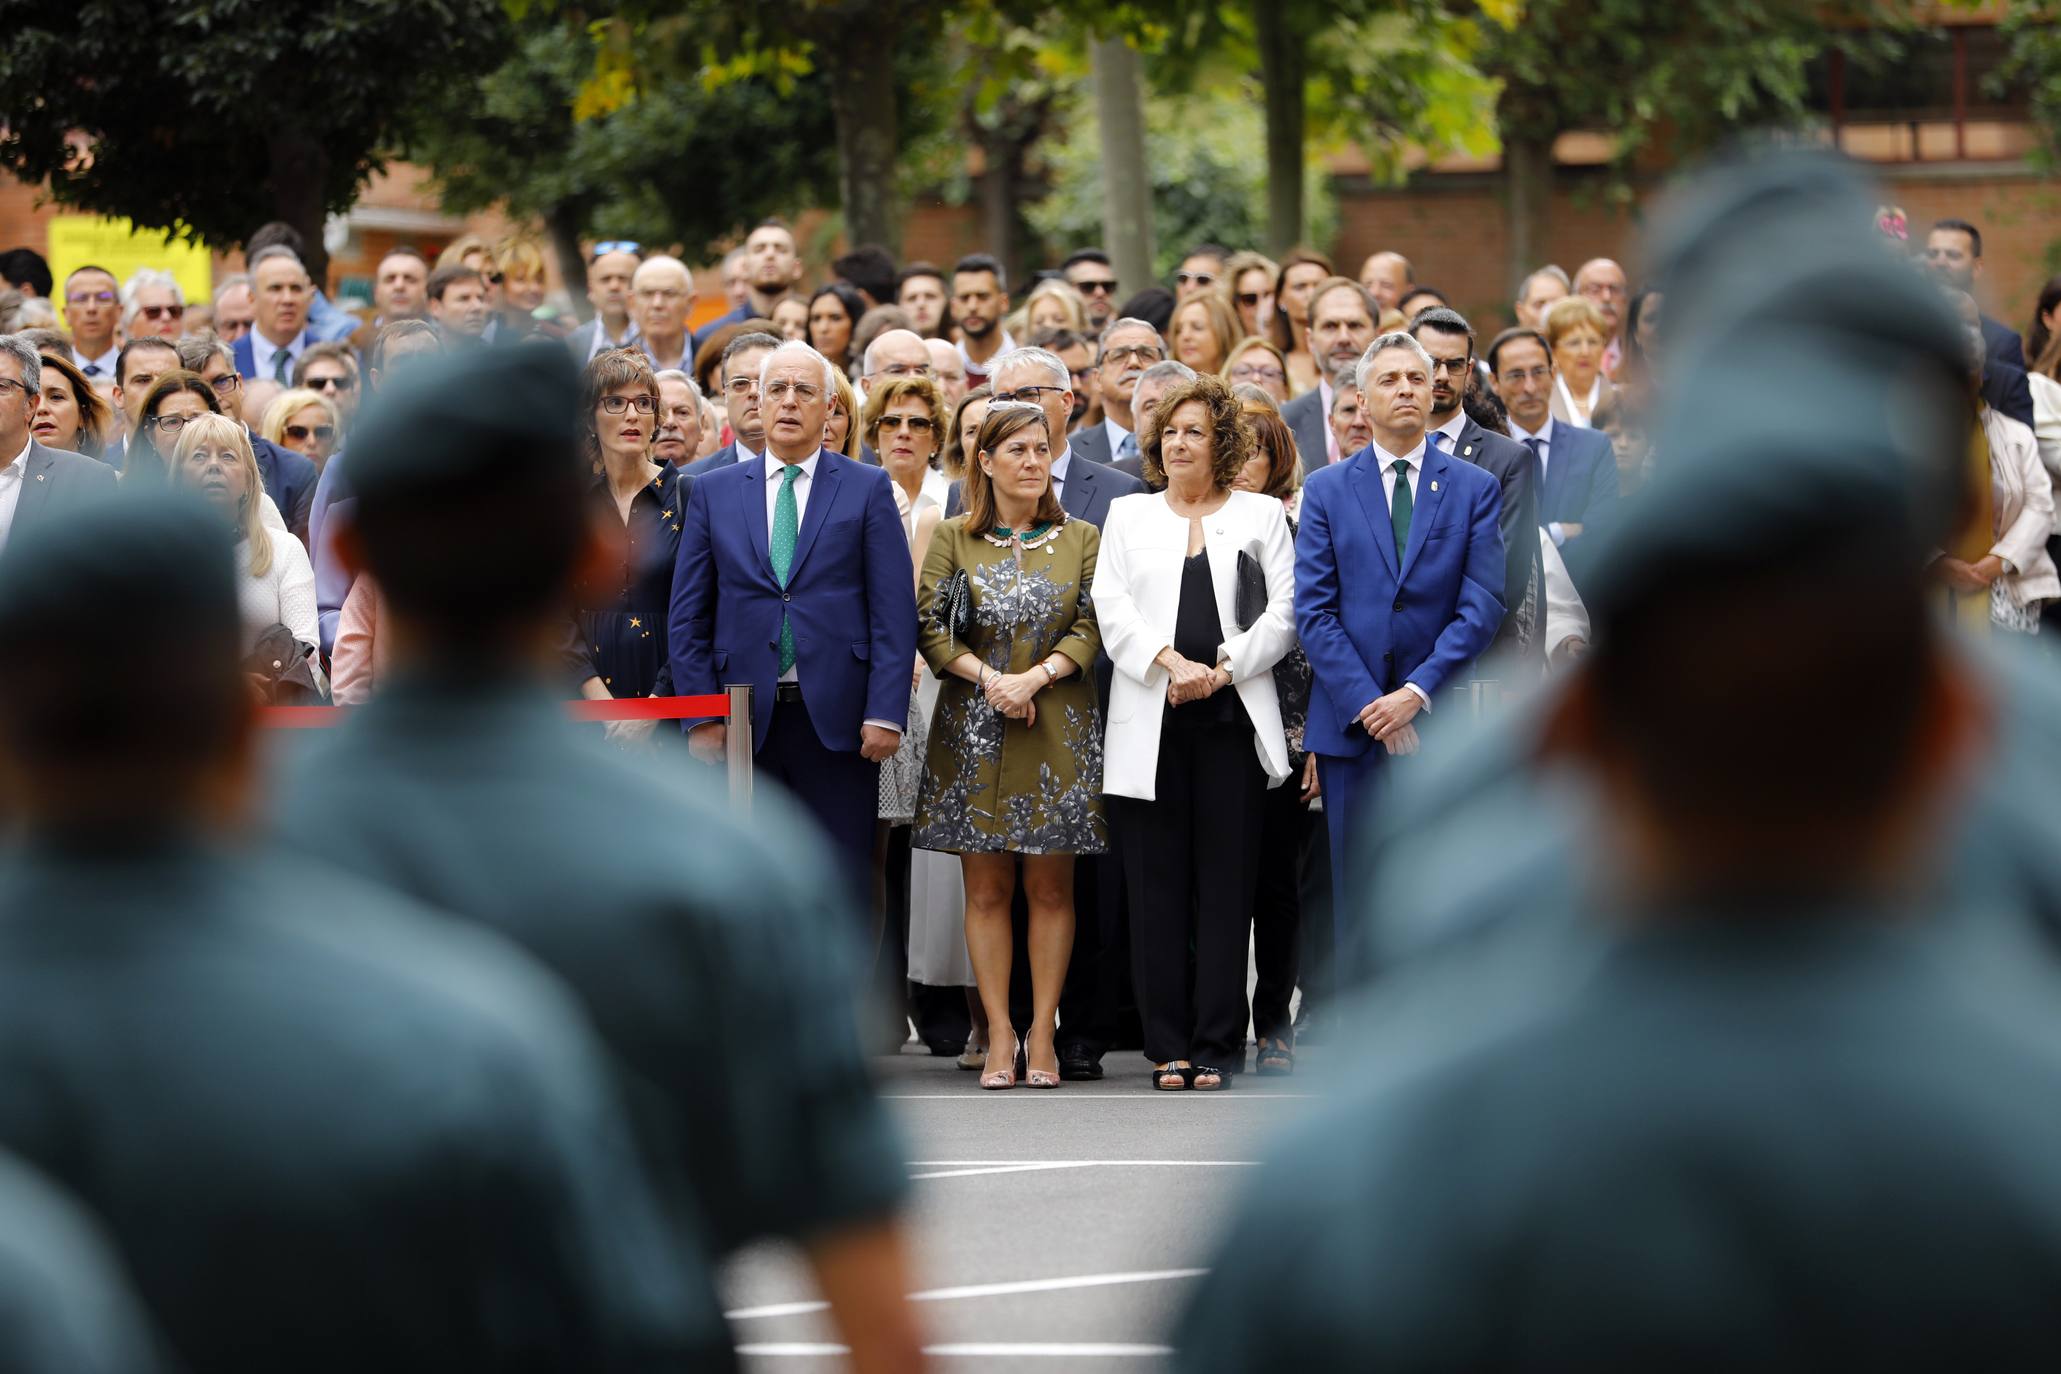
<point x="1051" y="678"/>
<point x="980" y="681"/>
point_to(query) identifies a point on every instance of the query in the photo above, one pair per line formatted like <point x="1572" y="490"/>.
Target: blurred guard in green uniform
<point x="65" y="1306"/>
<point x="709" y="952"/>
<point x="1747" y="1088"/>
<point x="326" y="1130"/>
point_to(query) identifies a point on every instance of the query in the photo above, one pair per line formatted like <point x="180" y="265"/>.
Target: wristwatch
<point x="1051" y="678"/>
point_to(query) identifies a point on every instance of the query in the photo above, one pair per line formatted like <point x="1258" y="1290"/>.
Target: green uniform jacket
<point x="65" y="1306"/>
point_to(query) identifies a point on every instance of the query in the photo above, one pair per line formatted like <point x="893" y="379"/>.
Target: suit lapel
<point x="1366" y="480"/>
<point x="35" y="485"/>
<point x="1077" y="492"/>
<point x="753" y="493"/>
<point x="823" y="489"/>
<point x="1431" y="490"/>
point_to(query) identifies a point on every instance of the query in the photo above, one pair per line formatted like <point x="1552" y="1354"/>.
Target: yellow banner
<point x="88" y="241"/>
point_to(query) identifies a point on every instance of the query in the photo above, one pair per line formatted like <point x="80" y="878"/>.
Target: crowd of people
<point x="1084" y="621"/>
<point x="1172" y="572"/>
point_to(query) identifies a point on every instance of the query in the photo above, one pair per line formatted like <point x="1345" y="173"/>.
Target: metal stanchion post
<point x="1486" y="694"/>
<point x="737" y="738"/>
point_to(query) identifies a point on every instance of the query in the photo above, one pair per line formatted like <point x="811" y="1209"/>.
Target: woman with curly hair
<point x="1195" y="593"/>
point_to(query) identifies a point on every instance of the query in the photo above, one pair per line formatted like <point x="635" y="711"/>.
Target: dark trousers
<point x="1313" y="962"/>
<point x="840" y="789"/>
<point x="1351" y="788"/>
<point x="1191" y="860"/>
<point x="1277" y="906"/>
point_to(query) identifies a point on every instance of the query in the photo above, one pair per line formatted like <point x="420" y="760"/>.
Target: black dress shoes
<point x="1076" y="1065"/>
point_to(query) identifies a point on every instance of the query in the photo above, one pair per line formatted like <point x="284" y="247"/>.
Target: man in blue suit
<point x="739" y="379"/>
<point x="1399" y="572"/>
<point x="280" y="288"/>
<point x="794" y="576"/>
<point x="1577" y="482"/>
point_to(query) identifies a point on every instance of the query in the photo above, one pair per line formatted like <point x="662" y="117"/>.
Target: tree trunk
<point x="298" y="166"/>
<point x="1126" y="187"/>
<point x="1528" y="134"/>
<point x="997" y="194"/>
<point x="565" y="221"/>
<point x="1283" y="71"/>
<point x="859" y="61"/>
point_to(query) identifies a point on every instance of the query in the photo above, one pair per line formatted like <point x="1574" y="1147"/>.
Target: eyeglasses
<point x="1026" y="393"/>
<point x="1194" y="278"/>
<point x="162" y="312"/>
<point x="740" y="386"/>
<point x="907" y="370"/>
<point x="1251" y="299"/>
<point x="1458" y="367"/>
<point x="1257" y="372"/>
<point x="602" y="250"/>
<point x="915" y="424"/>
<point x="1534" y="374"/>
<point x="1143" y="353"/>
<point x="333" y="383"/>
<point x="1091" y="286"/>
<point x="169" y="424"/>
<point x="8" y="384"/>
<point x="667" y="294"/>
<point x="322" y="433"/>
<point x="1602" y="288"/>
<point x="616" y="405"/>
<point x="801" y="391"/>
<point x="226" y="383"/>
<point x="90" y="298"/>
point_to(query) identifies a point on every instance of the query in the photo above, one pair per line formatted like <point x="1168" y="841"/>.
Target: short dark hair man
<point x="280" y="291"/>
<point x="921" y="292"/>
<point x="201" y="1043"/>
<point x="1091" y="273"/>
<point x="1127" y="347"/>
<point x="1447" y="337"/>
<point x="772" y="266"/>
<point x="980" y="298"/>
<point x="137" y="368"/>
<point x="458" y="303"/>
<point x="469" y="482"/>
<point x="1344" y="317"/>
<point x="1578" y="487"/>
<point x="1953" y="254"/>
<point x="27" y="271"/>
<point x="93" y="314"/>
<point x="871" y="271"/>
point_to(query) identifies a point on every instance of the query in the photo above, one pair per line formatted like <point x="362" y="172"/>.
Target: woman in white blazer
<point x="1195" y="734"/>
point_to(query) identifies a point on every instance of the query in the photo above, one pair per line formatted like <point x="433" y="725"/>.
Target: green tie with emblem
<point x="1399" y="507"/>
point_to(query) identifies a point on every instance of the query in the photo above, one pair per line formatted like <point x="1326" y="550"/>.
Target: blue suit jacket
<point x="724" y="457"/>
<point x="1581" y="488"/>
<point x="247" y="358"/>
<point x="1085" y="494"/>
<point x="290" y="481"/>
<point x="1371" y="620"/>
<point x="2002" y="344"/>
<point x="851" y="593"/>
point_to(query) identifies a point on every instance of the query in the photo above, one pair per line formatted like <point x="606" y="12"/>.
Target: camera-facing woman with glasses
<point x="174" y="398"/>
<point x="620" y="649"/>
<point x="302" y="420"/>
<point x="1256" y="362"/>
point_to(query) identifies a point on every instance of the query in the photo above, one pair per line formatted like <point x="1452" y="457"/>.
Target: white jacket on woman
<point x="2023" y="497"/>
<point x="1137" y="598"/>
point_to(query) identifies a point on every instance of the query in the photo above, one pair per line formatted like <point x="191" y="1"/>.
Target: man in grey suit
<point x="1085" y="488"/>
<point x="36" y="481"/>
<point x="1342" y="318"/>
<point x="739" y="378"/>
<point x="1449" y="339"/>
<point x="1127" y="347"/>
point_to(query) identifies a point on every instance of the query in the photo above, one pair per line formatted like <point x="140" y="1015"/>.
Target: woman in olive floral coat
<point x="1014" y="769"/>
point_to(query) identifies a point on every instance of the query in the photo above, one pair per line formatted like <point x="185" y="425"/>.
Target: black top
<point x="621" y="639"/>
<point x="1198" y="634"/>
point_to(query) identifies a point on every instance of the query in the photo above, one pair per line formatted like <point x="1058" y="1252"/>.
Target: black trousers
<point x="1191" y="860"/>
<point x="1277" y="906"/>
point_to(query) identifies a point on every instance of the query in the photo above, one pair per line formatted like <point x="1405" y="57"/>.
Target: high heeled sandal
<point x="1004" y="1078"/>
<point x="971" y="1058"/>
<point x="1038" y="1078"/>
<point x="1169" y="1078"/>
<point x="1199" y="1072"/>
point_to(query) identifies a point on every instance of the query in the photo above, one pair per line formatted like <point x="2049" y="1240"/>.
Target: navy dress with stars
<point x="624" y="642"/>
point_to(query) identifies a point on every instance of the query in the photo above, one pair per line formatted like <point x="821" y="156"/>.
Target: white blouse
<point x="285" y="595"/>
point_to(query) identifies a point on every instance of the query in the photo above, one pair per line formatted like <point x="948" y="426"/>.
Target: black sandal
<point x="1276" y="1057"/>
<point x="1202" y="1071"/>
<point x="1167" y="1078"/>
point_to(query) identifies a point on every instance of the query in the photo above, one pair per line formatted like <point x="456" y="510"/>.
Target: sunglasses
<point x="915" y="424"/>
<point x="162" y="312"/>
<point x="602" y="250"/>
<point x="1092" y="286"/>
<point x="1251" y="299"/>
<point x="322" y="433"/>
<point x="1194" y="278"/>
<point x="332" y="384"/>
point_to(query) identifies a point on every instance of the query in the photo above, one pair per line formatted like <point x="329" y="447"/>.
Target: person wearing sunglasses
<point x="1091" y="274"/>
<point x="1249" y="280"/>
<point x="1200" y="270"/>
<point x="92" y="310"/>
<point x="304" y="421"/>
<point x="153" y="306"/>
<point x="332" y="369"/>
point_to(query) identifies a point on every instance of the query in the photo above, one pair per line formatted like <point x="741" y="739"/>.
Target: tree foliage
<point x="213" y="116"/>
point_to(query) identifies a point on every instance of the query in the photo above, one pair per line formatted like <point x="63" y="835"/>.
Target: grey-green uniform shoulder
<point x="395" y="1133"/>
<point x="65" y="1305"/>
<point x="712" y="955"/>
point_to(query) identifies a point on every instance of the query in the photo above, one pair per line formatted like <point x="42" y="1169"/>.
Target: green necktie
<point x="1399" y="508"/>
<point x="786" y="526"/>
<point x="282" y="367"/>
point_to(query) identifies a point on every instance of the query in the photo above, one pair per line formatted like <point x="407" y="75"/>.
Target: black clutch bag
<point x="1249" y="598"/>
<point x="954" y="608"/>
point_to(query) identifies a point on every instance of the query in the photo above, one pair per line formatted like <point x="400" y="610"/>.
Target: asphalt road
<point x="1026" y="1266"/>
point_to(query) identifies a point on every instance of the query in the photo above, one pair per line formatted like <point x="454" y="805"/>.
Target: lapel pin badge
<point x="1434" y="486"/>
<point x="1467" y="452"/>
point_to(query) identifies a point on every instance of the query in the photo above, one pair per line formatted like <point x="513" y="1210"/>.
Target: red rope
<point x="633" y="708"/>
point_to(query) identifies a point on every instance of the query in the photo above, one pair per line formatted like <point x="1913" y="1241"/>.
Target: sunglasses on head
<point x="602" y="250"/>
<point x="323" y="433"/>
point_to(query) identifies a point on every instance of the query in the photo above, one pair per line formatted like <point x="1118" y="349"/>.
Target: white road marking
<point x="984" y="1290"/>
<point x="978" y="1350"/>
<point x="977" y="1168"/>
<point x="1049" y="1098"/>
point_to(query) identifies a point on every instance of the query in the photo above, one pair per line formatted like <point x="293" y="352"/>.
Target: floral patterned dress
<point x="992" y="784"/>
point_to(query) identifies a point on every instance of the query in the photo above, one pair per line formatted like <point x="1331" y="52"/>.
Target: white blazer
<point x="2023" y="499"/>
<point x="1137" y="598"/>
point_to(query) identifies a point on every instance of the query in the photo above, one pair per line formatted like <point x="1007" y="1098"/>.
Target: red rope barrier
<point x="632" y="708"/>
